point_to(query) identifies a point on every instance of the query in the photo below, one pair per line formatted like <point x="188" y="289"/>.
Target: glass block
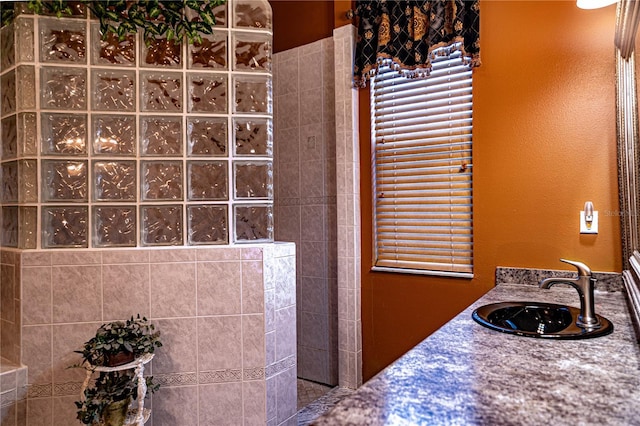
<point x="63" y="88"/>
<point x="253" y="136"/>
<point x="207" y="93"/>
<point x="9" y="137"/>
<point x="10" y="182"/>
<point x="114" y="180"/>
<point x="161" y="135"/>
<point x="220" y="13"/>
<point x="7" y="47"/>
<point x="210" y="53"/>
<point x="161" y="91"/>
<point x="64" y="227"/>
<point x="10" y="226"/>
<point x="28" y="181"/>
<point x="253" y="14"/>
<point x="62" y="40"/>
<point x="114" y="226"/>
<point x="113" y="90"/>
<point x="161" y="180"/>
<point x="207" y="224"/>
<point x="27" y="134"/>
<point x="207" y="136"/>
<point x="27" y="227"/>
<point x="161" y="52"/>
<point x="252" y="52"/>
<point x="8" y="92"/>
<point x="64" y="180"/>
<point x="64" y="134"/>
<point x="114" y="134"/>
<point x="253" y="222"/>
<point x="208" y="180"/>
<point x="252" y="94"/>
<point x="161" y="225"/>
<point x="110" y="50"/>
<point x="253" y="179"/>
<point x="24" y="39"/>
<point x="26" y="90"/>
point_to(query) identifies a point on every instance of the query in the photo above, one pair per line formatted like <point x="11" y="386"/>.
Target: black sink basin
<point x="534" y="319"/>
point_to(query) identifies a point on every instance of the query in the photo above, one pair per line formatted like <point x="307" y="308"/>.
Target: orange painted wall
<point x="299" y="22"/>
<point x="544" y="143"/>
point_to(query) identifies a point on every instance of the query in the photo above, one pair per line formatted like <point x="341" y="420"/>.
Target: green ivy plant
<point x="170" y="19"/>
<point x="135" y="335"/>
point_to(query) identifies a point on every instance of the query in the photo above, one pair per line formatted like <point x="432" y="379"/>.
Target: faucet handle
<point x="583" y="270"/>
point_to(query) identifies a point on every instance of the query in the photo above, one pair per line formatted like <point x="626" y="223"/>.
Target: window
<point x="421" y="136"/>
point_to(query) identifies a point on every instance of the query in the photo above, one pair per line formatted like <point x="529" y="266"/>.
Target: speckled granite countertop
<point x="466" y="374"/>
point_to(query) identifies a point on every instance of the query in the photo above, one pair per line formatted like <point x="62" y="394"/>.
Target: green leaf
<point x="122" y="32"/>
<point x="203" y="28"/>
<point x="154" y="12"/>
<point x="208" y="19"/>
<point x="193" y="4"/>
<point x="162" y="28"/>
<point x="111" y="15"/>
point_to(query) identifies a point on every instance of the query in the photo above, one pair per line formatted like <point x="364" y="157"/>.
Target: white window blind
<point x="421" y="134"/>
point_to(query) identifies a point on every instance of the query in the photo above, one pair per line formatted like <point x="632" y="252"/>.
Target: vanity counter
<point x="466" y="374"/>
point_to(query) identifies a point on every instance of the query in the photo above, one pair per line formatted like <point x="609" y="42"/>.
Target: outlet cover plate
<point x="584" y="229"/>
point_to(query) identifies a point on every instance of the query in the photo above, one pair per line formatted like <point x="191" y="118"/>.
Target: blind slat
<point x="422" y="132"/>
<point x="445" y="122"/>
<point x="457" y="92"/>
<point x="400" y="125"/>
<point x="404" y="110"/>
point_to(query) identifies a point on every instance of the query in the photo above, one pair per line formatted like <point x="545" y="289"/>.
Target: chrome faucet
<point x="585" y="284"/>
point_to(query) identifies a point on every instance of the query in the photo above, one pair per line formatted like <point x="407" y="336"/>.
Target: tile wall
<point x="305" y="197"/>
<point x="317" y="201"/>
<point x="348" y="208"/>
<point x="10" y="296"/>
<point x="227" y="317"/>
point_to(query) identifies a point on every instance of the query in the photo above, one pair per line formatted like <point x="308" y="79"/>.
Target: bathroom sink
<point x="534" y="319"/>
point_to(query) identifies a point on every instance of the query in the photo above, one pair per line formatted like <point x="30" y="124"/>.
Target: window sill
<point x="468" y="275"/>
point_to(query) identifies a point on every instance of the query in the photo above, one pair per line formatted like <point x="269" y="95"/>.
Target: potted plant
<point x="114" y="344"/>
<point x="120" y="342"/>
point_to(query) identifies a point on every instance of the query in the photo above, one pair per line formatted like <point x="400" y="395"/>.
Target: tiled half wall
<point x="227" y="317"/>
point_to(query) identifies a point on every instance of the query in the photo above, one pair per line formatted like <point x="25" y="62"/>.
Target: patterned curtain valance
<point x="406" y="32"/>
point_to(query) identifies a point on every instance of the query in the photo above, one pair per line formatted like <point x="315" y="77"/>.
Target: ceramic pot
<point x="119" y="358"/>
<point x="115" y="413"/>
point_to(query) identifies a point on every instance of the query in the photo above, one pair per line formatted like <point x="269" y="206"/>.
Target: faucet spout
<point x="584" y="284"/>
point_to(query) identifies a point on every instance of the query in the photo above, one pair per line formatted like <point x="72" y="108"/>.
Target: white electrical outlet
<point x="589" y="227"/>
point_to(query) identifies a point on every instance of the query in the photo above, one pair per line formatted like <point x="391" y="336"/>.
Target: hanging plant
<point x="170" y="19"/>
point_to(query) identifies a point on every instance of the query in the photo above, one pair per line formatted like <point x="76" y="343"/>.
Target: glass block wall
<point x="109" y="143"/>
